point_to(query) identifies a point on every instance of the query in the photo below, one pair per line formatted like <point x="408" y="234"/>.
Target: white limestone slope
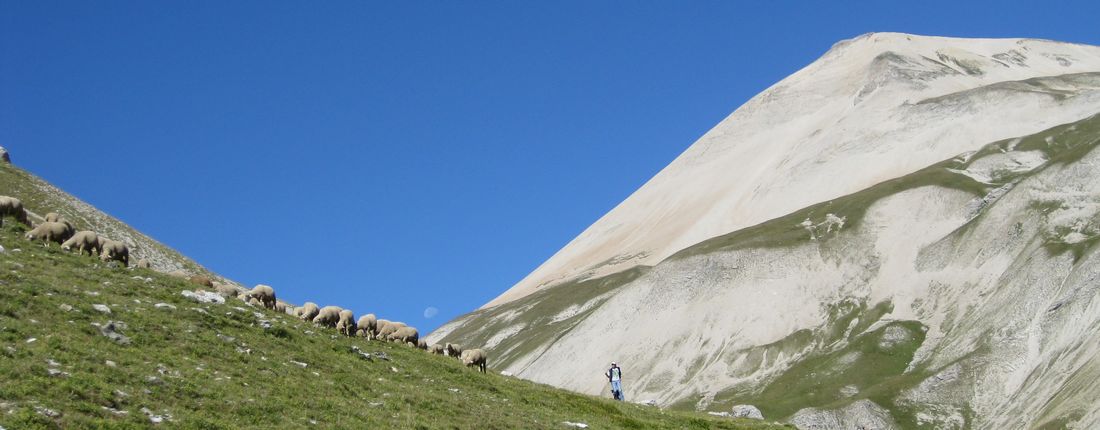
<point x="873" y="108"/>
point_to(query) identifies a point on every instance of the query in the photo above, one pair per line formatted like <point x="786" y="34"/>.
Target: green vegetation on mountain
<point x="216" y="366"/>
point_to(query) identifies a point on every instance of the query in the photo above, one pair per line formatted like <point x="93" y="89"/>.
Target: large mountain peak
<point x="904" y="229"/>
<point x="872" y="108"/>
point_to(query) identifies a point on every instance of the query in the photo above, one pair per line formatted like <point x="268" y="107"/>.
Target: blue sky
<point x="389" y="157"/>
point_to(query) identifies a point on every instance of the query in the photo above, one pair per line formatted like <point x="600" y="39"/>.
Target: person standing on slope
<point x="615" y="375"/>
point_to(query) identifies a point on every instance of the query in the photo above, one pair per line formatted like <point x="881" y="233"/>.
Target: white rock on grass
<point x="102" y="308"/>
<point x="203" y="296"/>
<point x="747" y="411"/>
<point x="164" y="306"/>
<point x="575" y="425"/>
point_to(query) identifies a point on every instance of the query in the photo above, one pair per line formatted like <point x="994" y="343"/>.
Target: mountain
<point x="900" y="235"/>
<point x="90" y="345"/>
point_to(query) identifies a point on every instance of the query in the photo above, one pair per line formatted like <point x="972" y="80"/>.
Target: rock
<point x="32" y="340"/>
<point x="154" y="418"/>
<point x="102" y="308"/>
<point x="203" y="296"/>
<point x="114" y="411"/>
<point x="575" y="425"/>
<point x="164" y="306"/>
<point x="720" y="414"/>
<point x="746" y="411"/>
<point x="849" y="390"/>
<point x="298" y="363"/>
<point x="863" y="414"/>
<point x="453" y="390"/>
<point x="2" y="250"/>
<point x="649" y="402"/>
<point x="55" y="373"/>
<point x="110" y="363"/>
<point x="49" y="413"/>
<point x="506" y="373"/>
<point x="111" y="331"/>
<point x="66" y="307"/>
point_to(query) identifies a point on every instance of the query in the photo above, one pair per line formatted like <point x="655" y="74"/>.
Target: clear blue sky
<point x="391" y="156"/>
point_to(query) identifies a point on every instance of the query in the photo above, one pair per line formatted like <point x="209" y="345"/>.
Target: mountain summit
<point x="900" y="234"/>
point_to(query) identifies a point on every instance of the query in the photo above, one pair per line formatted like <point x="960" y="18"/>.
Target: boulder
<point x="747" y="411"/>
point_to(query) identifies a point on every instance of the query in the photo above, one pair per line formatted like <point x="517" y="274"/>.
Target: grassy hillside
<point x="40" y="197"/>
<point x="216" y="365"/>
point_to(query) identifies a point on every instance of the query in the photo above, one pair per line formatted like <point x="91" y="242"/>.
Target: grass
<point x="213" y="366"/>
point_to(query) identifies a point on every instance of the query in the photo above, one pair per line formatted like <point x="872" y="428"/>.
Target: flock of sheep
<point x="60" y="231"/>
<point x="56" y="229"/>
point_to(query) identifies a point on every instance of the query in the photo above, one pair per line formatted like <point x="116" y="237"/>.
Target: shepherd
<point x="615" y="375"/>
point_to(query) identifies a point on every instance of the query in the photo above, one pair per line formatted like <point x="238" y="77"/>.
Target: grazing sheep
<point x="436" y="349"/>
<point x="226" y="290"/>
<point x="280" y="307"/>
<point x="328" y="316"/>
<point x="264" y="294"/>
<point x="202" y="280"/>
<point x="178" y="274"/>
<point x="13" y="207"/>
<point x="407" y="335"/>
<point x="144" y="264"/>
<point x="52" y="217"/>
<point x="50" y="232"/>
<point x="421" y="344"/>
<point x="475" y="357"/>
<point x="307" y="312"/>
<point x="384" y="331"/>
<point x="452" y="350"/>
<point x="367" y="326"/>
<point x="83" y="241"/>
<point x="346" y="325"/>
<point x="252" y="301"/>
<point x="117" y="251"/>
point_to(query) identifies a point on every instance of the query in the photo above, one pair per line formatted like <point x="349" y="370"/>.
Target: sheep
<point x="178" y="274"/>
<point x="264" y="294"/>
<point x="117" y="251"/>
<point x="328" y="316"/>
<point x="475" y="357"/>
<point x="367" y="326"/>
<point x="452" y="350"/>
<point x="13" y="207"/>
<point x="407" y="335"/>
<point x="307" y="312"/>
<point x="144" y="264"/>
<point x="83" y="241"/>
<point x="202" y="280"/>
<point x="280" y="307"/>
<point x="385" y="330"/>
<point x="436" y="349"/>
<point x="52" y="217"/>
<point x="421" y="344"/>
<point x="346" y="325"/>
<point x="226" y="290"/>
<point x="254" y="302"/>
<point x="49" y="232"/>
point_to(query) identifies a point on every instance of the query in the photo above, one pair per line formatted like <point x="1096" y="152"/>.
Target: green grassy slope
<point x="40" y="197"/>
<point x="215" y="366"/>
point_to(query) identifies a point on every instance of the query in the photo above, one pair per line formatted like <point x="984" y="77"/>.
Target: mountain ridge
<point x="812" y="120"/>
<point x="928" y="264"/>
